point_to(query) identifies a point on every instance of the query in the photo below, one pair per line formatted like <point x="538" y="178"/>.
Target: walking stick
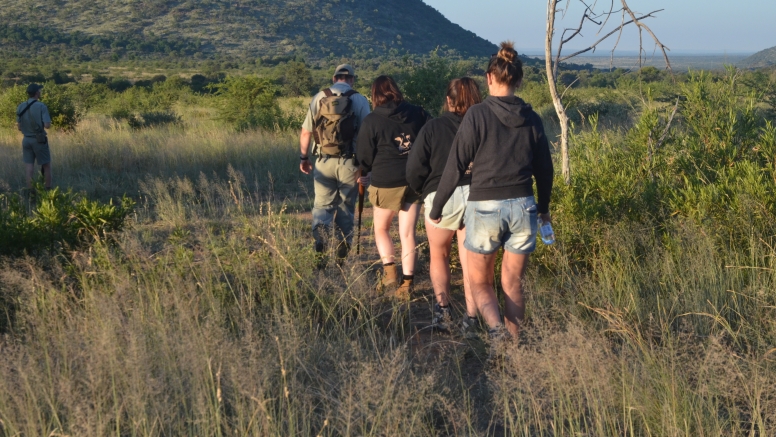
<point x="360" y="211"/>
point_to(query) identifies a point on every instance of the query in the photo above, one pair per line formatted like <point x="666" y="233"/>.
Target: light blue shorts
<point x="453" y="212"/>
<point x="511" y="223"/>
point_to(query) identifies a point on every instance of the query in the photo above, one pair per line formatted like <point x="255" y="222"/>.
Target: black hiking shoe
<point x="443" y="318"/>
<point x="342" y="252"/>
<point x="498" y="340"/>
<point x="470" y="327"/>
<point x="321" y="260"/>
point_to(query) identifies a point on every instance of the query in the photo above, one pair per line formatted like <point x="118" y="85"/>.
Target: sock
<point x="444" y="307"/>
<point x="408" y="277"/>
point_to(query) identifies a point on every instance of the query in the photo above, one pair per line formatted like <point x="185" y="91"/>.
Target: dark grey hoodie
<point x="385" y="139"/>
<point x="505" y="140"/>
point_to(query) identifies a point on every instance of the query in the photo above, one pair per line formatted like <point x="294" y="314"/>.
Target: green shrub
<point x="63" y="110"/>
<point x="152" y="119"/>
<point x="715" y="167"/>
<point x="60" y="220"/>
<point x="426" y="85"/>
<point x="9" y="101"/>
<point x="250" y="102"/>
<point x="297" y="80"/>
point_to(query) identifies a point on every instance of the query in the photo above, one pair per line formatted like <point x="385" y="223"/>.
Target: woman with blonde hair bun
<point x="502" y="142"/>
<point x="424" y="170"/>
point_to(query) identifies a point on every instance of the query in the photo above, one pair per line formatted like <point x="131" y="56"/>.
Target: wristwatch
<point x="303" y="158"/>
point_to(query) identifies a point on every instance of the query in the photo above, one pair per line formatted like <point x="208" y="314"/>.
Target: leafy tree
<point x="426" y="85"/>
<point x="298" y="80"/>
<point x="249" y="102"/>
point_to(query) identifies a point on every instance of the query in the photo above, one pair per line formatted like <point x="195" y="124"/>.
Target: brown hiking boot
<point x="389" y="276"/>
<point x="403" y="293"/>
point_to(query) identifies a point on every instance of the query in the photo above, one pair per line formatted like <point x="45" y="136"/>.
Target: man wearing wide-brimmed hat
<point x="32" y="119"/>
<point x="336" y="172"/>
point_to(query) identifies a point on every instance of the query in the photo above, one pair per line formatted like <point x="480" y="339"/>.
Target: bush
<point x="63" y="111"/>
<point x="426" y="85"/>
<point x="61" y="220"/>
<point x="251" y="102"/>
<point x="152" y="119"/>
<point x="9" y="101"/>
<point x="297" y="79"/>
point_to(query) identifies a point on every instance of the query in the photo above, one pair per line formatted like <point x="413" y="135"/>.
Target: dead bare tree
<point x="599" y="16"/>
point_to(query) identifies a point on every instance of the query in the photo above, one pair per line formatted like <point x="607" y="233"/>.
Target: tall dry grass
<point x="106" y="158"/>
<point x="207" y="317"/>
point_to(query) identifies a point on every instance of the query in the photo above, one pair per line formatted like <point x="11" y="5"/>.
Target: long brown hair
<point x="463" y="94"/>
<point x="384" y="90"/>
<point x="505" y="66"/>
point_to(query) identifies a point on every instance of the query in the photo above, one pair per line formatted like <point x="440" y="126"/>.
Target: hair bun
<point x="507" y="52"/>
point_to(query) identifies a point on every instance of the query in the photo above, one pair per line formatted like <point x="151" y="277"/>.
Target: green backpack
<point x="334" y="128"/>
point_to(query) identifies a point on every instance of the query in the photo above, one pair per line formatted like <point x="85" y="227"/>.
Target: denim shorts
<point x="453" y="212"/>
<point x="511" y="223"/>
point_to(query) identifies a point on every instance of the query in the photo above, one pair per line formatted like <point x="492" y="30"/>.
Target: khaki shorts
<point x="453" y="212"/>
<point x="392" y="198"/>
<point x="33" y="151"/>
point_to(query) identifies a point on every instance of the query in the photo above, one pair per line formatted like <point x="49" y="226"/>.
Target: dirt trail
<point x="431" y="350"/>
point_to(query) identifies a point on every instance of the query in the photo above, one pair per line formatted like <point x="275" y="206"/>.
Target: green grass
<point x="653" y="315"/>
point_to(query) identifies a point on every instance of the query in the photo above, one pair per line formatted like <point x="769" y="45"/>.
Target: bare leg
<point x="512" y="273"/>
<point x="481" y="280"/>
<point x="46" y="170"/>
<point x="463" y="254"/>
<point x="408" y="219"/>
<point x="439" y="242"/>
<point x="29" y="169"/>
<point x="382" y="220"/>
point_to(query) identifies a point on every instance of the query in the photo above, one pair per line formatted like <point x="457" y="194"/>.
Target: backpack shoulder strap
<point x="328" y="92"/>
<point x="350" y="93"/>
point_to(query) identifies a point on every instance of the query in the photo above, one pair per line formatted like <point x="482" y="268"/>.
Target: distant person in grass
<point x="332" y="136"/>
<point x="384" y="143"/>
<point x="504" y="139"/>
<point x="32" y="119"/>
<point x="425" y="165"/>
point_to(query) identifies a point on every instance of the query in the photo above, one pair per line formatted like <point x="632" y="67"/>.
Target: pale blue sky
<point x="710" y="26"/>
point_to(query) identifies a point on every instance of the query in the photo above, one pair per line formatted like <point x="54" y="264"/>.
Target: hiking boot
<point x="498" y="339"/>
<point x="470" y="326"/>
<point x="320" y="255"/>
<point x="404" y="292"/>
<point x="443" y="318"/>
<point x="342" y="253"/>
<point x="389" y="276"/>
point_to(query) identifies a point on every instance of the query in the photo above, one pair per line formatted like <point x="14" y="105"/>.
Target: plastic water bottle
<point x="546" y="232"/>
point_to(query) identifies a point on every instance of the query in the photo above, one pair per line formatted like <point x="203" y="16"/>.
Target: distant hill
<point x="315" y="29"/>
<point x="765" y="58"/>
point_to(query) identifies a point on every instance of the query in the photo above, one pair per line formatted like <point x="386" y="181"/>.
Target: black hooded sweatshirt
<point x="385" y="139"/>
<point x="430" y="152"/>
<point x="505" y="140"/>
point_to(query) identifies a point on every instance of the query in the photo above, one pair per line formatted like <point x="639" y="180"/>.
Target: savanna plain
<point x="193" y="306"/>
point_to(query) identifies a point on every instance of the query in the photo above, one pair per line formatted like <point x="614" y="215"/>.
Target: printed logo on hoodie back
<point x="403" y="143"/>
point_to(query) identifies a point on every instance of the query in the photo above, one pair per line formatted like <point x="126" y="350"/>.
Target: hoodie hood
<point x="512" y="111"/>
<point x="454" y="118"/>
<point x="400" y="113"/>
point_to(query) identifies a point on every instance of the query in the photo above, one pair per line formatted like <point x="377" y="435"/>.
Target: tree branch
<point x="616" y="29"/>
<point x="643" y="26"/>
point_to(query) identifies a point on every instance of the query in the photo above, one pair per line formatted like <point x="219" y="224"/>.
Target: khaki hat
<point x="345" y="69"/>
<point x="34" y="88"/>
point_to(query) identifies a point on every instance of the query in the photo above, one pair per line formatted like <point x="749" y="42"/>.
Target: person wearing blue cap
<point x="32" y="119"/>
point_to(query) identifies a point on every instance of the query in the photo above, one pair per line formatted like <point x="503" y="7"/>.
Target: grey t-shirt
<point x="359" y="102"/>
<point x="33" y="121"/>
